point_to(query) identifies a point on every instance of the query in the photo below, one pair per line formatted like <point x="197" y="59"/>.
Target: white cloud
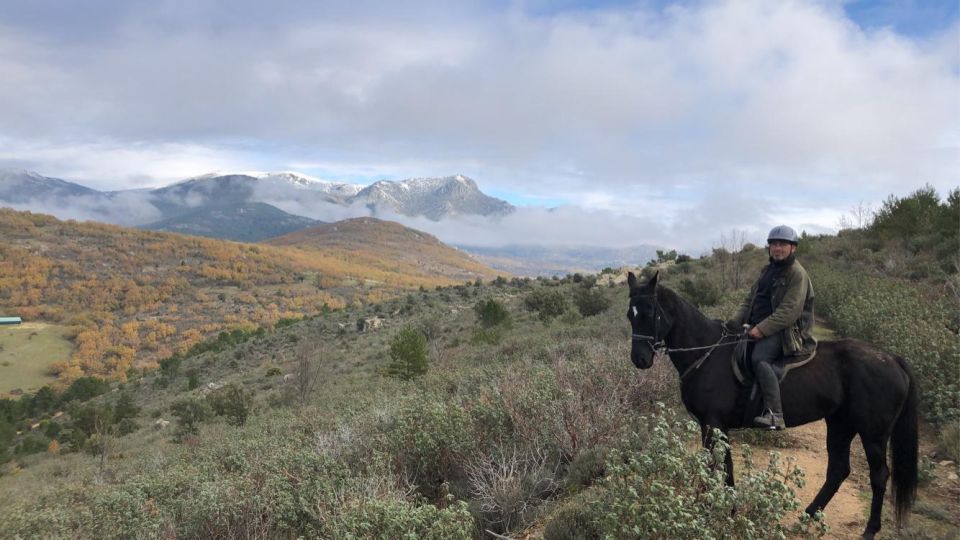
<point x="112" y="166"/>
<point x="684" y="113"/>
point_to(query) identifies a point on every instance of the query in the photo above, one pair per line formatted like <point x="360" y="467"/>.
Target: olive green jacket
<point x="792" y="298"/>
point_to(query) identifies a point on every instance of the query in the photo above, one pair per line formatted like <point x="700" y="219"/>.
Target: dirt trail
<point x="847" y="512"/>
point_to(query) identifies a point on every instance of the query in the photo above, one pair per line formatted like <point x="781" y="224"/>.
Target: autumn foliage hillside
<point x="384" y="246"/>
<point x="133" y="297"/>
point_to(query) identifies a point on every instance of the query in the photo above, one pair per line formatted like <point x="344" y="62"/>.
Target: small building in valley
<point x="9" y="321"/>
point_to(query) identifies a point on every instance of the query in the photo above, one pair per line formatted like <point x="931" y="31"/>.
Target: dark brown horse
<point x="858" y="388"/>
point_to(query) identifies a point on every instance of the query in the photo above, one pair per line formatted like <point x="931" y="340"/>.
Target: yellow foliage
<point x="112" y="285"/>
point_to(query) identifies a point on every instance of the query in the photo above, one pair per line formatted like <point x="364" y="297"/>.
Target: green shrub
<point x="287" y="321"/>
<point x="487" y="336"/>
<point x="430" y="440"/>
<point x="127" y="426"/>
<point x="548" y="304"/>
<point x="408" y="355"/>
<point x="32" y="443"/>
<point x="701" y="290"/>
<point x="86" y="418"/>
<point x="573" y="521"/>
<point x="85" y="388"/>
<point x="125" y="407"/>
<point x="273" y="371"/>
<point x="50" y="429"/>
<point x="389" y="520"/>
<point x="193" y="378"/>
<point x="190" y="412"/>
<point x="591" y="301"/>
<point x="662" y="486"/>
<point x="588" y="467"/>
<point x="169" y="367"/>
<point x="900" y="318"/>
<point x="920" y="219"/>
<point x="491" y="313"/>
<point x="571" y="318"/>
<point x="233" y="402"/>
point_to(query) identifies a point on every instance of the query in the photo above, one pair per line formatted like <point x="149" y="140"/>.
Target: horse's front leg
<point x="709" y="442"/>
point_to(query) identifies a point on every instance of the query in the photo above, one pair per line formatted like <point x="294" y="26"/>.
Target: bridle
<point x="658" y="345"/>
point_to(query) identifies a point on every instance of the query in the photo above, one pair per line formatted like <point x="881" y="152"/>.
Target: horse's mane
<point x="681" y="304"/>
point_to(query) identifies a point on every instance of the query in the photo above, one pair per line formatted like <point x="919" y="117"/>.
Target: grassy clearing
<point x="25" y="352"/>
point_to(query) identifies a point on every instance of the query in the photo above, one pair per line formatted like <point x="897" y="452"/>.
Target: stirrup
<point x="770" y="420"/>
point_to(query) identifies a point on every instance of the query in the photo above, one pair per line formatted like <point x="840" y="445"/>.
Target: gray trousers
<point x="766" y="351"/>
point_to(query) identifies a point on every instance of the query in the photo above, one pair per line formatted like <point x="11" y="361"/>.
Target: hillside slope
<point x="241" y="222"/>
<point x="548" y="407"/>
<point x="386" y="245"/>
<point x="132" y="297"/>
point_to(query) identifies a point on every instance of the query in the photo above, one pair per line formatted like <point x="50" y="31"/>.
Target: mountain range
<point x="252" y="207"/>
<point x="292" y="193"/>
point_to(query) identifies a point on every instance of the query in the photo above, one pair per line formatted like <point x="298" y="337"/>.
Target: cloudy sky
<point x="648" y="121"/>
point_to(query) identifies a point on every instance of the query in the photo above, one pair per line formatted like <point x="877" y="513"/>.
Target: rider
<point x="779" y="311"/>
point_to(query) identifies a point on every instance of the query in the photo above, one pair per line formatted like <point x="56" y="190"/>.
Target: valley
<point x="131" y="298"/>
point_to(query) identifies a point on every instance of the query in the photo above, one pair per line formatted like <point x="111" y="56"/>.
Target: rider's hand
<point x="755" y="333"/>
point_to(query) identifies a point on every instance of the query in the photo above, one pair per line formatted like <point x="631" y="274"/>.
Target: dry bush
<point x="510" y="487"/>
<point x="308" y="359"/>
<point x="578" y="403"/>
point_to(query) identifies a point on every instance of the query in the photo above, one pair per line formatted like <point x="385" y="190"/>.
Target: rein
<point x="659" y="346"/>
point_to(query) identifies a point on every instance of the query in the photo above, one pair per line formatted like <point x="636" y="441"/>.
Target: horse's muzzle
<point x="641" y="355"/>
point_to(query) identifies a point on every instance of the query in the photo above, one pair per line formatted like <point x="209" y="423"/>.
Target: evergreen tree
<point x="408" y="354"/>
<point x="125" y="407"/>
<point x="232" y="401"/>
<point x="491" y="313"/>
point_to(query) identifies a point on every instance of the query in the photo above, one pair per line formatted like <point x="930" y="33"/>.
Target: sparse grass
<point x="26" y="352"/>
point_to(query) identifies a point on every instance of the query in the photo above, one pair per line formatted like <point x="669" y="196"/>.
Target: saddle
<point x="743" y="369"/>
<point x="750" y="397"/>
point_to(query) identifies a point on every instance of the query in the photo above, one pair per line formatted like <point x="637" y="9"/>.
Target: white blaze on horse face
<point x="634" y="308"/>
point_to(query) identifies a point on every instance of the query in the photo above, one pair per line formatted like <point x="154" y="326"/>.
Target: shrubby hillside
<point x="528" y="414"/>
<point x="503" y="407"/>
<point x="133" y="297"/>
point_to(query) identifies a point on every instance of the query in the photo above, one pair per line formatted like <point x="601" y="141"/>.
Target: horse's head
<point x="647" y="321"/>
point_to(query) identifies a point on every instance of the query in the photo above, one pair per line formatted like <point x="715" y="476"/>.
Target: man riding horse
<point x="779" y="312"/>
<point x="858" y="388"/>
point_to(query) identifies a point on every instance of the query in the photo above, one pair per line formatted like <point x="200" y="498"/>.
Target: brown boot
<point x="770" y="420"/>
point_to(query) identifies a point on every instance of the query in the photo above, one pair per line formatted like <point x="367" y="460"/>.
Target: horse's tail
<point x="904" y="449"/>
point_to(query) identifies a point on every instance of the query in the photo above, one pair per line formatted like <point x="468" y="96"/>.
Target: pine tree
<point x="408" y="354"/>
<point x="125" y="407"/>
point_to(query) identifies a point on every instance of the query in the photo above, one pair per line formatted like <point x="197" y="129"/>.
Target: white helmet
<point x="782" y="232"/>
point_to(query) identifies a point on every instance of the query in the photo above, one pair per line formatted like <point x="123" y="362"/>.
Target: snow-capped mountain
<point x="435" y="198"/>
<point x="21" y="186"/>
<point x="26" y="190"/>
<point x="294" y="193"/>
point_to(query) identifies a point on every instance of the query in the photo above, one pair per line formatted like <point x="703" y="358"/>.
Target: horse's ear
<point x="631" y="280"/>
<point x="652" y="284"/>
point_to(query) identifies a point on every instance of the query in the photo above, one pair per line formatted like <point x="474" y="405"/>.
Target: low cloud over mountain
<point x="256" y="206"/>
